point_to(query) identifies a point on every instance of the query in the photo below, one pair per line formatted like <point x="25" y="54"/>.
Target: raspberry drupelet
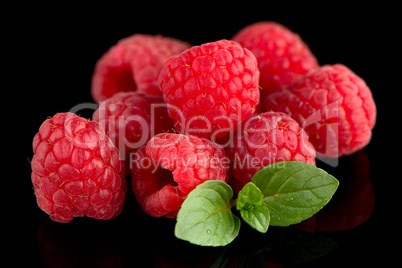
<point x="333" y="105"/>
<point x="170" y="166"/>
<point x="76" y="170"/>
<point x="130" y="119"/>
<point x="281" y="54"/>
<point x="265" y="139"/>
<point x="133" y="64"/>
<point x="210" y="88"/>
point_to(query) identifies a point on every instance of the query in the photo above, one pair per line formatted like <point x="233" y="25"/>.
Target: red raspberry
<point x="265" y="139"/>
<point x="333" y="105"/>
<point x="170" y="166"/>
<point x="76" y="170"/>
<point x="281" y="54"/>
<point x="130" y="119"/>
<point x="211" y="87"/>
<point x="133" y="64"/>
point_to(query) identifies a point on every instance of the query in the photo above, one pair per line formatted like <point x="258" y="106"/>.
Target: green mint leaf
<point x="205" y="217"/>
<point x="252" y="209"/>
<point x="294" y="191"/>
<point x="249" y="195"/>
<point x="258" y="217"/>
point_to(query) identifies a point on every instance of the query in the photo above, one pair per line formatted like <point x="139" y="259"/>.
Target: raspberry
<point x="265" y="139"/>
<point x="210" y="88"/>
<point x="333" y="105"/>
<point x="133" y="64"/>
<point x="170" y="166"/>
<point x="130" y="119"/>
<point x="76" y="170"/>
<point x="281" y="54"/>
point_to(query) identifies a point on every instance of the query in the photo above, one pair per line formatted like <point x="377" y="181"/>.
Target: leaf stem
<point x="233" y="202"/>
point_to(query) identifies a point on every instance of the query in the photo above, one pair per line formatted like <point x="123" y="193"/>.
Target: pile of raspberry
<point x="172" y="116"/>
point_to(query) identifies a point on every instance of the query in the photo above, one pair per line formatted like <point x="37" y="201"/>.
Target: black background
<point x="52" y="55"/>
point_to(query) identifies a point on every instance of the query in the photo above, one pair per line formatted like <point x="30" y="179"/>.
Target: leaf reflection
<point x="135" y="239"/>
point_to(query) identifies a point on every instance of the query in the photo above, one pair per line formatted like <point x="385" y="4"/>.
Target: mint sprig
<point x="280" y="194"/>
<point x="252" y="209"/>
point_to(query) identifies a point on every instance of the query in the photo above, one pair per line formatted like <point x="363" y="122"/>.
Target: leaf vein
<point x="267" y="204"/>
<point x="294" y="191"/>
<point x="222" y="197"/>
<point x="258" y="220"/>
<point x="310" y="180"/>
<point x="203" y="197"/>
<point x="281" y="185"/>
<point x="266" y="185"/>
<point x="292" y="206"/>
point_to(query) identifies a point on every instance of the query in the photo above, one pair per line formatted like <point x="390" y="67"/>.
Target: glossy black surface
<point x="356" y="229"/>
<point x="134" y="238"/>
